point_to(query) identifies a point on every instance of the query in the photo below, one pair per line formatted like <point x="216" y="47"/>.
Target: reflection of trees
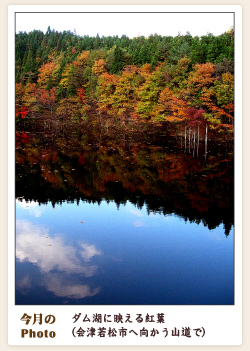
<point x="163" y="177"/>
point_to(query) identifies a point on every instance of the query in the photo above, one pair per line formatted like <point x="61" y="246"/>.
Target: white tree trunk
<point x="185" y="138"/>
<point x="206" y="144"/>
<point x="198" y="140"/>
<point x="194" y="144"/>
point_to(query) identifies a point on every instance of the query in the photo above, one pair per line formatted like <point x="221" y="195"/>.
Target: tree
<point x="124" y="97"/>
<point x="199" y="82"/>
<point x="224" y="93"/>
<point x="106" y="86"/>
<point x="45" y="74"/>
<point x="29" y="97"/>
<point x="195" y="117"/>
<point x="179" y="74"/>
<point x="47" y="99"/>
<point x="149" y="92"/>
<point x="69" y="109"/>
<point x="99" y="67"/>
<point x="171" y="108"/>
<point x="117" y="59"/>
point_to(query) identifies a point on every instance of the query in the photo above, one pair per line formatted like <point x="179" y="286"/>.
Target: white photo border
<point x="223" y="324"/>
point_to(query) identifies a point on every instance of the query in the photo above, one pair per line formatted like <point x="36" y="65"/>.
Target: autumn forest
<point x="181" y="82"/>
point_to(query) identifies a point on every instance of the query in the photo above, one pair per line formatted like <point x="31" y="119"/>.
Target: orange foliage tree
<point x="171" y="108"/>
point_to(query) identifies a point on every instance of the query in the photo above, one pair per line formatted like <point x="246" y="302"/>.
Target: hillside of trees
<point x="184" y="82"/>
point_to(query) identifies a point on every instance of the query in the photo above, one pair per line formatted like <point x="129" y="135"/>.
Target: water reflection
<point x="120" y="256"/>
<point x="55" y="260"/>
<point x="35" y="245"/>
<point x="102" y="221"/>
<point x="163" y="178"/>
<point x="62" y="287"/>
<point x="32" y="206"/>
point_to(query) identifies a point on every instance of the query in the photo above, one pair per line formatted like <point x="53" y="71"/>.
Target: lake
<point x="123" y="219"/>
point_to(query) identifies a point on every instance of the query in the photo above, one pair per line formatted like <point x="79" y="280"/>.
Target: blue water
<point x="101" y="254"/>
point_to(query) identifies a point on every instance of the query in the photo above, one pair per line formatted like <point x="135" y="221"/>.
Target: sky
<point x="130" y="24"/>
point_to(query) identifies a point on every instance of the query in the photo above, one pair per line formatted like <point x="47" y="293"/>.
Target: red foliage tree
<point x="81" y="94"/>
<point x="47" y="98"/>
<point x="195" y="117"/>
<point x="22" y="111"/>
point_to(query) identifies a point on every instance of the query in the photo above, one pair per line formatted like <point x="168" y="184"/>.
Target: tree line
<point x="183" y="81"/>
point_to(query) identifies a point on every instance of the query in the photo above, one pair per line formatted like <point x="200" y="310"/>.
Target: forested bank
<point x="184" y="82"/>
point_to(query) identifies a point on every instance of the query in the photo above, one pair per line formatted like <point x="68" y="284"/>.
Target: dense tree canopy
<point x="154" y="79"/>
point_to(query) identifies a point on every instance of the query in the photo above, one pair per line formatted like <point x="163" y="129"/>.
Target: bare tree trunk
<point x="185" y="138"/>
<point x="198" y="139"/>
<point x="100" y="116"/>
<point x="189" y="140"/>
<point x="194" y="143"/>
<point x="206" y="144"/>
